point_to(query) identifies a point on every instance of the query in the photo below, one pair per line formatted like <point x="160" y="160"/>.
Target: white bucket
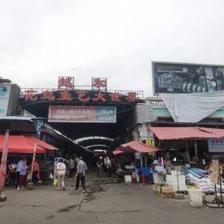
<point x="195" y="198"/>
<point x="127" y="179"/>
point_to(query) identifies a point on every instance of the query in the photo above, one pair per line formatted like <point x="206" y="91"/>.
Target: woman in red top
<point x="36" y="172"/>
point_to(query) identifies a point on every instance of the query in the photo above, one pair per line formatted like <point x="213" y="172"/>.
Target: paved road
<point x="107" y="203"/>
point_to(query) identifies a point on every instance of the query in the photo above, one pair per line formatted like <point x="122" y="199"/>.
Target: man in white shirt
<point x="60" y="171"/>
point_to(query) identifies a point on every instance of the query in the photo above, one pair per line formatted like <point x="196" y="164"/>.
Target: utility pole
<point x="3" y="165"/>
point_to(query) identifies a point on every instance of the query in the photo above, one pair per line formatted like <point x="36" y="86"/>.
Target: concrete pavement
<point x="103" y="203"/>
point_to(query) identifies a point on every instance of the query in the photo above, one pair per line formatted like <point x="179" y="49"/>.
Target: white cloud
<point x="118" y="39"/>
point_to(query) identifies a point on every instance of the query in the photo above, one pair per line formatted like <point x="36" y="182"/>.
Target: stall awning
<point x="217" y="131"/>
<point x="41" y="143"/>
<point x="117" y="151"/>
<point x="20" y="144"/>
<point x="177" y="133"/>
<point x="139" y="147"/>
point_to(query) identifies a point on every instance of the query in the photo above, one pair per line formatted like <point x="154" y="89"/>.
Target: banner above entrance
<point x="82" y="114"/>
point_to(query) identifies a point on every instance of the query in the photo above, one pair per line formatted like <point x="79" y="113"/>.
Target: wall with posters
<point x="186" y="78"/>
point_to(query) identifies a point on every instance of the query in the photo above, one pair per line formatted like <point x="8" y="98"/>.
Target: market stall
<point x="31" y="148"/>
<point x="138" y="169"/>
<point x="193" y="174"/>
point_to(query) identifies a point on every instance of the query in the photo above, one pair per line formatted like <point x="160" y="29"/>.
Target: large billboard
<point x="186" y="78"/>
<point x="82" y="114"/>
<point x="4" y="99"/>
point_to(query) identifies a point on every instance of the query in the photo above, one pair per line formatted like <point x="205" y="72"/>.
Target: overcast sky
<point x="43" y="39"/>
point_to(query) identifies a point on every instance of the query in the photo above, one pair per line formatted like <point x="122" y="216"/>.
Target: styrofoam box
<point x="127" y="179"/>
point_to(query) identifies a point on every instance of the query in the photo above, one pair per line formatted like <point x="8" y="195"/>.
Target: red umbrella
<point x="20" y="144"/>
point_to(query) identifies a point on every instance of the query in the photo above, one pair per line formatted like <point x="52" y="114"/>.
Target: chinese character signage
<point x="81" y="114"/>
<point x="65" y="82"/>
<point x="99" y="84"/>
<point x="83" y="96"/>
<point x="216" y="145"/>
<point x="187" y="78"/>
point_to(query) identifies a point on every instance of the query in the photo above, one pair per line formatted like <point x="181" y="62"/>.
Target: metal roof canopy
<point x="177" y="133"/>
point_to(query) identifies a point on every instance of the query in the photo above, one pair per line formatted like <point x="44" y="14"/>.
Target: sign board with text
<point x="82" y="114"/>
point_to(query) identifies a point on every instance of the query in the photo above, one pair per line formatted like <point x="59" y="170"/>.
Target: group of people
<point x="104" y="164"/>
<point x="81" y="169"/>
<point x="18" y="174"/>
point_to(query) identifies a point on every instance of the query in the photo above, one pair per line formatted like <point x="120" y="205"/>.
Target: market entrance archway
<point x="93" y="119"/>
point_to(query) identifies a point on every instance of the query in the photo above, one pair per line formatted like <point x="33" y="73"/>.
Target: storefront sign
<point x="99" y="84"/>
<point x="65" y="82"/>
<point x="82" y="114"/>
<point x="80" y="96"/>
<point x="4" y="99"/>
<point x="150" y="141"/>
<point x="216" y="145"/>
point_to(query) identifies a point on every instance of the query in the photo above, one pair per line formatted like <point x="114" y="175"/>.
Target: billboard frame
<point x="176" y="63"/>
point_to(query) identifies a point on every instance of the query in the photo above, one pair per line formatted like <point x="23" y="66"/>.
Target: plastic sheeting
<point x="193" y="107"/>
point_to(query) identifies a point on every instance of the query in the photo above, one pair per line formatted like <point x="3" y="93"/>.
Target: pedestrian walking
<point x="99" y="165"/>
<point x="60" y="172"/>
<point x="22" y="172"/>
<point x="71" y="166"/>
<point x="108" y="166"/>
<point x="12" y="173"/>
<point x="80" y="174"/>
<point x="36" y="172"/>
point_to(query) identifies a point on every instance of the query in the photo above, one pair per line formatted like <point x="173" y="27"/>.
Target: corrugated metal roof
<point x="172" y="133"/>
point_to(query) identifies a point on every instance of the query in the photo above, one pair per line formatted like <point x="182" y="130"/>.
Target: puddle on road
<point x="68" y="208"/>
<point x="88" y="196"/>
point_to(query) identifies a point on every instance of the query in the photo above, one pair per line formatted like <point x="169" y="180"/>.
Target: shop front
<point x="199" y="168"/>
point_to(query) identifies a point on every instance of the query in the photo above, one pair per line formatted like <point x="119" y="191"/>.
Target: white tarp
<point x="193" y="107"/>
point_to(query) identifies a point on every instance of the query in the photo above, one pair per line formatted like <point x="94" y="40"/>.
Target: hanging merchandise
<point x="214" y="169"/>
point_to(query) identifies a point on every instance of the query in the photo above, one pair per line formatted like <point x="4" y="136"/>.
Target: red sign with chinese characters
<point x="65" y="82"/>
<point x="83" y="96"/>
<point x="99" y="84"/>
